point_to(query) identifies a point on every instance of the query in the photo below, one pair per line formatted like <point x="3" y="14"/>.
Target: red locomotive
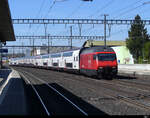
<point x="98" y="61"/>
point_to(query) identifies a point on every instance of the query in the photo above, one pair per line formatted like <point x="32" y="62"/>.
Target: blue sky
<point x="117" y="9"/>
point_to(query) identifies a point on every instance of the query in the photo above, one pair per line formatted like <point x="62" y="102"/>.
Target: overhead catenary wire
<point x="72" y="13"/>
<point x="131" y="10"/>
<point x="52" y="5"/>
<point x="143" y="11"/>
<point x="75" y="12"/>
<point x="50" y="9"/>
<point x="102" y="8"/>
<point x="38" y="13"/>
<point x="76" y="9"/>
<point x="125" y="8"/>
<point x="99" y="10"/>
<point x="127" y="11"/>
<point x="41" y="7"/>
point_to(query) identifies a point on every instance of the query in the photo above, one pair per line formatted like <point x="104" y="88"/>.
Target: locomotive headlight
<point x="100" y="67"/>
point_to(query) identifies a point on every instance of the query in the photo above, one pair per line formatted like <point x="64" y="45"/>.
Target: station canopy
<point x="6" y="27"/>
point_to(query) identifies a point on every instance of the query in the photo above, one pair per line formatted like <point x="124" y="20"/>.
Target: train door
<point x="89" y="64"/>
<point x="61" y="63"/>
<point x="76" y="60"/>
<point x="49" y="61"/>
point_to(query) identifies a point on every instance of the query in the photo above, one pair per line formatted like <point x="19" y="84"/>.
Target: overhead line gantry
<point x="59" y="37"/>
<point x="77" y="21"/>
<point x="18" y="46"/>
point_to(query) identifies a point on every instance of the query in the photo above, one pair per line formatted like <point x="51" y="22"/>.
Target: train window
<point x="55" y="64"/>
<point x="45" y="64"/>
<point x="107" y="57"/>
<point x="55" y="55"/>
<point x="69" y="65"/>
<point x="45" y="56"/>
<point x="94" y="57"/>
<point x="76" y="58"/>
<point x="67" y="54"/>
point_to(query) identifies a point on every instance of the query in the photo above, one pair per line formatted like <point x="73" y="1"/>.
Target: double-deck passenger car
<point x="96" y="61"/>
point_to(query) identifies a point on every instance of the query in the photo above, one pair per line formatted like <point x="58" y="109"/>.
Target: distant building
<point x="40" y="51"/>
<point x="123" y="55"/>
<point x="90" y="43"/>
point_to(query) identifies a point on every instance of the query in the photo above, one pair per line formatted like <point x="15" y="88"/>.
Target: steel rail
<point x="135" y="83"/>
<point x="127" y="99"/>
<point x="110" y="94"/>
<point x="138" y="86"/>
<point x="44" y="106"/>
<point x="112" y="83"/>
<point x="77" y="107"/>
<point x="121" y="97"/>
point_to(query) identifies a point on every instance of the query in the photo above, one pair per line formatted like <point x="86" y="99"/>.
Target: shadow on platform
<point x="35" y="107"/>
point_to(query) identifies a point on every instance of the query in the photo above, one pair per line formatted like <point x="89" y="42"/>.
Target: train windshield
<point x="106" y="57"/>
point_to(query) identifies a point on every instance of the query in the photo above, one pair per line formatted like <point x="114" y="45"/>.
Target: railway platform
<point x="12" y="95"/>
<point x="134" y="70"/>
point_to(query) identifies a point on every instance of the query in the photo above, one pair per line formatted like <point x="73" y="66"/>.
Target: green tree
<point x="137" y="38"/>
<point x="147" y="51"/>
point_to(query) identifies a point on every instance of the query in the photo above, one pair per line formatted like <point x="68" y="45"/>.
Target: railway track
<point x="108" y="85"/>
<point x="140" y="90"/>
<point x="134" y="84"/>
<point x="73" y="108"/>
<point x="132" y="100"/>
<point x="110" y="93"/>
<point x="44" y="106"/>
<point x="98" y="85"/>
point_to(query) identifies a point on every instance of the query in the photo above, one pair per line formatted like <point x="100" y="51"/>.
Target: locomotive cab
<point x="98" y="61"/>
<point x="106" y="64"/>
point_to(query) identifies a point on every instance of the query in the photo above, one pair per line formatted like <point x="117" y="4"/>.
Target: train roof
<point x="69" y="50"/>
<point x="82" y="51"/>
<point x="32" y="57"/>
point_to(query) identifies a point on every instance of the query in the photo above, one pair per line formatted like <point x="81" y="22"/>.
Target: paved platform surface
<point x="134" y="70"/>
<point x="12" y="95"/>
<point x="3" y="75"/>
